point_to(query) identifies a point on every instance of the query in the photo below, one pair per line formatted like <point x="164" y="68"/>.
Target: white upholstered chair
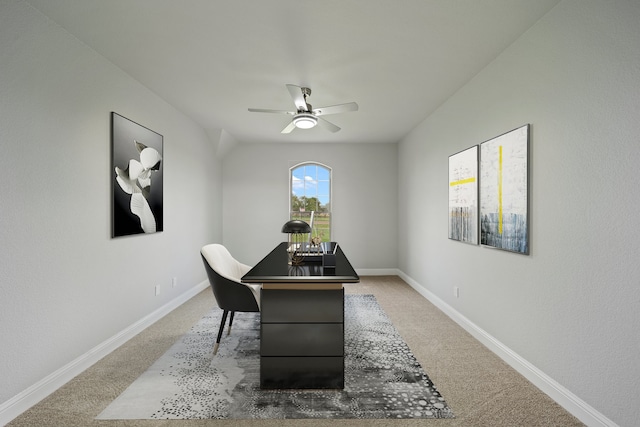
<point x="231" y="294"/>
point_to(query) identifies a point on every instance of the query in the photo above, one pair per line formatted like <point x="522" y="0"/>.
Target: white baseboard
<point x="565" y="398"/>
<point x="34" y="394"/>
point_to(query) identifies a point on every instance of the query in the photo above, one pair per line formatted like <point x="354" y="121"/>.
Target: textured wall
<point x="571" y="306"/>
<point x="65" y="285"/>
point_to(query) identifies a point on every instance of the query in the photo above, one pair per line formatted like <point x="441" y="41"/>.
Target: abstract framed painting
<point x="463" y="196"/>
<point x="504" y="188"/>
<point x="136" y="160"/>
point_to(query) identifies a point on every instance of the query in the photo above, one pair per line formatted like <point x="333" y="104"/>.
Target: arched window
<point x="310" y="201"/>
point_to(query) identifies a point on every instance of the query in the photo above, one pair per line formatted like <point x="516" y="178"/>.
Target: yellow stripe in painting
<point x="462" y="181"/>
<point x="500" y="189"/>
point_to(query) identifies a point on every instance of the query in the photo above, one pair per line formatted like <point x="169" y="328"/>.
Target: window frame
<point x="330" y="202"/>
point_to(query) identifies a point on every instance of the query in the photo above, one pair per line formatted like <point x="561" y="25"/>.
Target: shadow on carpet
<point x="382" y="377"/>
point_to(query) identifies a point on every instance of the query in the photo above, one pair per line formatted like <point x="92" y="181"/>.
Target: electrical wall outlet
<point x="174" y="282"/>
<point x="456" y="292"/>
<point x="157" y="290"/>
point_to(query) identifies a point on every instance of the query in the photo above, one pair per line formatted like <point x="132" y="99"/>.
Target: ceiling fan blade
<point x="328" y="125"/>
<point x="335" y="109"/>
<point x="298" y="97"/>
<point x="266" y="110"/>
<point x="291" y="126"/>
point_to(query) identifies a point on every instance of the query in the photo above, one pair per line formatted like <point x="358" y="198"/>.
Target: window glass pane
<point x="298" y="172"/>
<point x="311" y="172"/>
<point x="323" y="188"/>
<point x="310" y="187"/>
<point x="323" y="174"/>
<point x="297" y="181"/>
<point x="297" y="188"/>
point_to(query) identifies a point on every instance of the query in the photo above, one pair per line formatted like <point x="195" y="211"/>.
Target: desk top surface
<point x="274" y="268"/>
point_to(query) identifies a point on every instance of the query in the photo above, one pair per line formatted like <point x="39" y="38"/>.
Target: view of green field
<point x="321" y="223"/>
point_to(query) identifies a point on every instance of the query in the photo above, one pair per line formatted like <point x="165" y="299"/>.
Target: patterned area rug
<point x="382" y="377"/>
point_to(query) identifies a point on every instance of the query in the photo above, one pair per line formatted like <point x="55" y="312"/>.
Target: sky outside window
<point x="311" y="181"/>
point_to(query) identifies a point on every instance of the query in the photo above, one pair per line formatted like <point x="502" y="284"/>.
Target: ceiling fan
<point x="306" y="117"/>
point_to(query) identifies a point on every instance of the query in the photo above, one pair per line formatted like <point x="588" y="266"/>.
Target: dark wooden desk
<point x="302" y="320"/>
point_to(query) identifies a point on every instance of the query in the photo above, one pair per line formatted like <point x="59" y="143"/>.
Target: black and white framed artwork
<point x="136" y="154"/>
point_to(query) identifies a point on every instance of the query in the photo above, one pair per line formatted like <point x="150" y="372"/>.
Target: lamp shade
<point x="296" y="226"/>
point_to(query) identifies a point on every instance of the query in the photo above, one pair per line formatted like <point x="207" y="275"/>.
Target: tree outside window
<point x="311" y="192"/>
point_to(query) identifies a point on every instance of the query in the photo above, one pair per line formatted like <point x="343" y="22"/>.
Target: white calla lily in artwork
<point x="150" y="159"/>
<point x="136" y="181"/>
<point x="128" y="178"/>
<point x="140" y="208"/>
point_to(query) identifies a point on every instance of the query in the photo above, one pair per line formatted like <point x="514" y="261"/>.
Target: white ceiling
<point x="213" y="59"/>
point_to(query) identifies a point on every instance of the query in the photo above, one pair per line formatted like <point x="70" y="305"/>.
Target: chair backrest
<point x="220" y="259"/>
<point x="224" y="274"/>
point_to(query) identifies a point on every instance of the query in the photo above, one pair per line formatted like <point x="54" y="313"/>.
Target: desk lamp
<point x="295" y="228"/>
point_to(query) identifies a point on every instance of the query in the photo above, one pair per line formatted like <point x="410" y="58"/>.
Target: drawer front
<point x="302" y="339"/>
<point x="302" y="372"/>
<point x="303" y="306"/>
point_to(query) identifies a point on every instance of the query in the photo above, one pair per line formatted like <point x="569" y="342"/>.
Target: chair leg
<point x="224" y="320"/>
<point x="230" y="323"/>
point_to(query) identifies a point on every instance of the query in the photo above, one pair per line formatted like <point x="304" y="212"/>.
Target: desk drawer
<point x="302" y="372"/>
<point x="302" y="306"/>
<point x="302" y="339"/>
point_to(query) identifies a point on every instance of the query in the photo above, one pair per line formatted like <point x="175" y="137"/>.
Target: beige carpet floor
<point x="479" y="387"/>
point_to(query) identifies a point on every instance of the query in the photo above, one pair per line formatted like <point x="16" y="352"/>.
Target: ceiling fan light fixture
<point x="305" y="120"/>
